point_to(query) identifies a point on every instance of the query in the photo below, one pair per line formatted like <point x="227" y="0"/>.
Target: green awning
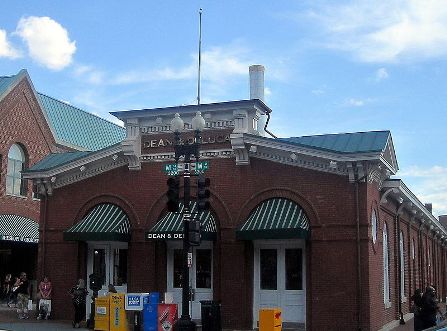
<point x="275" y="218"/>
<point x="18" y="228"/>
<point x="170" y="226"/>
<point x="105" y="222"/>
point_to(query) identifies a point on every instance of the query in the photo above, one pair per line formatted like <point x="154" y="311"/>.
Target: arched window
<point x="402" y="266"/>
<point x="413" y="251"/>
<point x="386" y="269"/>
<point x="16" y="163"/>
<point x="374" y="226"/>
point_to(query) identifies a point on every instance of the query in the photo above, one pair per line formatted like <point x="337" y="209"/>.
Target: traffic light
<point x="194" y="232"/>
<point x="203" y="193"/>
<point x="173" y="194"/>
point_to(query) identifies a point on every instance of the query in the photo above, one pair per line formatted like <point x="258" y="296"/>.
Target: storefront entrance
<point x="200" y="275"/>
<point x="108" y="260"/>
<point x="279" y="278"/>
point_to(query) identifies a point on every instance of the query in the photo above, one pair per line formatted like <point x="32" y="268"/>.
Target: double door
<point x="107" y="260"/>
<point x="200" y="276"/>
<point x="280" y="279"/>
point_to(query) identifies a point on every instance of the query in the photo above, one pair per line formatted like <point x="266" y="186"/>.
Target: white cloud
<point x="48" y="41"/>
<point x="218" y="64"/>
<point x="353" y="102"/>
<point x="89" y="74"/>
<point x="6" y="49"/>
<point x="386" y="31"/>
<point x="381" y="74"/>
<point x="429" y="185"/>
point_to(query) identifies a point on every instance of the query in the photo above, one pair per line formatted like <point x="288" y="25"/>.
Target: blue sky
<point x="331" y="66"/>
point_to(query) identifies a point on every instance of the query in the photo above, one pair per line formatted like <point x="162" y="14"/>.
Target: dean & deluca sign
<point x="156" y="143"/>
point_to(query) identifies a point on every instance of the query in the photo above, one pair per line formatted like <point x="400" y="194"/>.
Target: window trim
<point x="16" y="175"/>
<point x="374" y="225"/>
<point x="386" y="268"/>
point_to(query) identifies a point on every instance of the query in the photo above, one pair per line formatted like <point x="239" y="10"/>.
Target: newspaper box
<point x="167" y="316"/>
<point x="102" y="313"/>
<point x="118" y="320"/>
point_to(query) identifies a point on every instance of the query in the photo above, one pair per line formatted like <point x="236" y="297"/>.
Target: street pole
<point x="185" y="323"/>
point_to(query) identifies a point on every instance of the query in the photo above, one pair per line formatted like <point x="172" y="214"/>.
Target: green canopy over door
<point x="105" y="222"/>
<point x="275" y="218"/>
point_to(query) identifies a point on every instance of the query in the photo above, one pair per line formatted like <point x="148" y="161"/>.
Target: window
<point x="119" y="266"/>
<point x="374" y="226"/>
<point x="386" y="269"/>
<point x="413" y="252"/>
<point x="429" y="257"/>
<point x="16" y="163"/>
<point x="203" y="268"/>
<point x="268" y="266"/>
<point x="294" y="269"/>
<point x="402" y="266"/>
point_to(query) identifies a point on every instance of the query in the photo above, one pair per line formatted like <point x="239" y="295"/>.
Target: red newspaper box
<point x="167" y="315"/>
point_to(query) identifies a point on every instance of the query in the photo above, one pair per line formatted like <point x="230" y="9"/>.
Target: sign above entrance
<point x="164" y="142"/>
<point x="164" y="235"/>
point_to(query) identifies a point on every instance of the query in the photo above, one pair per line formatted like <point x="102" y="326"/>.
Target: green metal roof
<point x="18" y="228"/>
<point x="78" y="127"/>
<point x="275" y="218"/>
<point x="170" y="226"/>
<point x="5" y="83"/>
<point x="357" y="142"/>
<point x="55" y="160"/>
<point x="103" y="223"/>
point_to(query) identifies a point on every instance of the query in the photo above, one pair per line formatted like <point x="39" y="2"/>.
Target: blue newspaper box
<point x="150" y="309"/>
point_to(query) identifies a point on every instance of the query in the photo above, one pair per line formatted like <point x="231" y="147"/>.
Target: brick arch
<point x="278" y="192"/>
<point x="122" y="203"/>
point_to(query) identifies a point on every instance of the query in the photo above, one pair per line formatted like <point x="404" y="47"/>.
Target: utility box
<point x="117" y="320"/>
<point x="102" y="313"/>
<point x="270" y="319"/>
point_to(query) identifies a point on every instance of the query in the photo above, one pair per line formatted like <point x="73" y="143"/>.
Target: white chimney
<point x="257" y="81"/>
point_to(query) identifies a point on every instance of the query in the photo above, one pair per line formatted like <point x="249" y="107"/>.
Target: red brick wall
<point x="22" y="122"/>
<point x="329" y="201"/>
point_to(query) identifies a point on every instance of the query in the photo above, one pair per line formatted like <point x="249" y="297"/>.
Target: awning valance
<point x="170" y="226"/>
<point x="105" y="222"/>
<point x="18" y="228"/>
<point x="276" y="218"/>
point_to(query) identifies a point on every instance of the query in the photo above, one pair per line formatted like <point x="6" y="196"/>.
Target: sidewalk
<point x="10" y="322"/>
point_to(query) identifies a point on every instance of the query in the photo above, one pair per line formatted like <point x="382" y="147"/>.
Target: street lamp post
<point x="186" y="150"/>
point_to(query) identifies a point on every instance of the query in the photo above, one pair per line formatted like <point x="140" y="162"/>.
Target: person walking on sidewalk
<point x="23" y="296"/>
<point x="416" y="309"/>
<point x="78" y="294"/>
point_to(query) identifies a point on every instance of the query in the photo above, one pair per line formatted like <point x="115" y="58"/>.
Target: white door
<point x="200" y="275"/>
<point x="109" y="261"/>
<point x="279" y="279"/>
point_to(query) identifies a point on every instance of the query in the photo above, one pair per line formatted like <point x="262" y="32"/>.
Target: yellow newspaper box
<point x="118" y="320"/>
<point x="102" y="313"/>
<point x="270" y="319"/>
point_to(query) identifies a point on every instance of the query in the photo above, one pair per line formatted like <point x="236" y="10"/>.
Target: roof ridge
<point x="80" y="109"/>
<point x="335" y="134"/>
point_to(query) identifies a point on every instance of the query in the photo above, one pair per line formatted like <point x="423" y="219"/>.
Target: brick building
<point x="313" y="224"/>
<point x="33" y="125"/>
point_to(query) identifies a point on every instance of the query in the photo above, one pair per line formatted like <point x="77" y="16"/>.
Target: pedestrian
<point x="23" y="296"/>
<point x="12" y="300"/>
<point x="429" y="307"/>
<point x="78" y="294"/>
<point x="6" y="287"/>
<point x="44" y="296"/>
<point x="416" y="309"/>
<point x="112" y="289"/>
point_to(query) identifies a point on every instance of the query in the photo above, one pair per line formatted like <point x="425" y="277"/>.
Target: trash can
<point x="210" y="311"/>
<point x="270" y="319"/>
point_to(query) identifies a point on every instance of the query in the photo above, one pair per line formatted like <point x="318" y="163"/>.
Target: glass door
<point x="109" y="262"/>
<point x="200" y="276"/>
<point x="279" y="279"/>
